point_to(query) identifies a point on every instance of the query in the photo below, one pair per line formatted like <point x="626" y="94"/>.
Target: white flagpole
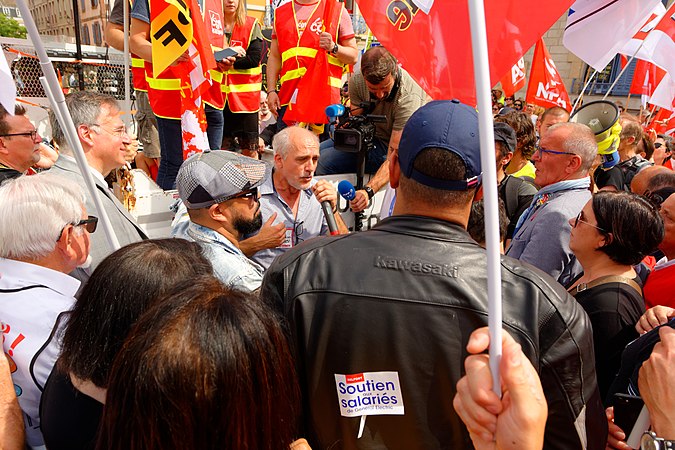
<point x="583" y="90"/>
<point x="487" y="160"/>
<point x="67" y="124"/>
<point x="127" y="68"/>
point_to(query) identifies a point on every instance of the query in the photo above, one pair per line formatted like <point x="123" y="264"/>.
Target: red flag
<point x="661" y="42"/>
<point x="515" y="79"/>
<point x="663" y="121"/>
<point x="432" y="39"/>
<point x="310" y="104"/>
<point x="546" y="87"/>
<point x="645" y="78"/>
<point x="623" y="60"/>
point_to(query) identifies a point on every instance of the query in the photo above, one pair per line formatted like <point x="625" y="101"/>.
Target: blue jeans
<point x="333" y="161"/>
<point x="214" y="126"/>
<point x="171" y="145"/>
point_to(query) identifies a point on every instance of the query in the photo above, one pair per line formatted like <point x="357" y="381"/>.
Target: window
<point x="85" y="35"/>
<point x="604" y="79"/>
<point x="94" y="3"/>
<point x="97" y="33"/>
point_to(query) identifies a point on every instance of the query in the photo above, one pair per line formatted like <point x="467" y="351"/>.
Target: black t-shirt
<point x="620" y="175"/>
<point x="117" y="13"/>
<point x="69" y="419"/>
<point x="614" y="309"/>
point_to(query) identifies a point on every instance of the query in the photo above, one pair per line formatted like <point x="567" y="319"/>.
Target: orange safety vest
<point x="241" y="87"/>
<point x="138" y="73"/>
<point x="297" y="52"/>
<point x="213" y="19"/>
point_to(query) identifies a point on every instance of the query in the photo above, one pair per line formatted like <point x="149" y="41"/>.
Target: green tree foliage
<point x="11" y="28"/>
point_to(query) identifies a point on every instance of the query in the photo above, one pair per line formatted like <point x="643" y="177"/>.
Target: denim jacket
<point x="230" y="265"/>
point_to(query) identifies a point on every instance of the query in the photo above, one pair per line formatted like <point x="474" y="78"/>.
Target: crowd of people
<point x="264" y="323"/>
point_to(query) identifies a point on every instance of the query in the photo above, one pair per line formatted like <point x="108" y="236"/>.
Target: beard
<point x="248" y="226"/>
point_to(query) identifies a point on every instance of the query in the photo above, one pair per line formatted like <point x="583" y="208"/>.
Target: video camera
<point x="355" y="134"/>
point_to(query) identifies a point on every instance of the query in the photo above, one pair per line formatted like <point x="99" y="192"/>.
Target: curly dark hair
<point x="522" y="124"/>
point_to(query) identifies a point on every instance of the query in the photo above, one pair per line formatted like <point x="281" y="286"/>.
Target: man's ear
<point x="507" y="159"/>
<point x="84" y="133"/>
<point x="63" y="244"/>
<point x="278" y="160"/>
<point x="215" y="213"/>
<point x="394" y="169"/>
<point x="574" y="164"/>
<point x="478" y="195"/>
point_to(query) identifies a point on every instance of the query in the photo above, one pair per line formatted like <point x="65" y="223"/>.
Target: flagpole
<point x="67" y="124"/>
<point x="487" y="158"/>
<point x="583" y="90"/>
<point x="127" y="57"/>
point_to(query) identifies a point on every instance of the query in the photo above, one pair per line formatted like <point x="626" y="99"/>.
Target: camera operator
<point x="380" y="88"/>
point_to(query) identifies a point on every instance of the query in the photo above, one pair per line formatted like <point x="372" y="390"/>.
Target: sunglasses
<point x="657" y="198"/>
<point x="253" y="193"/>
<point x="89" y="224"/>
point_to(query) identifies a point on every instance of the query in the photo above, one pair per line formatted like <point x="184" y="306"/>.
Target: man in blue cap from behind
<point x="379" y="320"/>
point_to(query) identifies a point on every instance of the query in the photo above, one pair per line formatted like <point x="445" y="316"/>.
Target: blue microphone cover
<point x="346" y="190"/>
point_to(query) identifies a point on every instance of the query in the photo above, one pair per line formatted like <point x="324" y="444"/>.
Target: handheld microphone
<point x="335" y="110"/>
<point x="330" y="218"/>
<point x="346" y="190"/>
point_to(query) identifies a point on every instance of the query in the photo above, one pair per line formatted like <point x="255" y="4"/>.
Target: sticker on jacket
<point x="369" y="393"/>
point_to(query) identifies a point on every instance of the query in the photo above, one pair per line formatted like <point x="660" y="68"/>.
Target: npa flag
<point x="310" y="103"/>
<point x="546" y="87"/>
<point x="597" y="29"/>
<point x="634" y="47"/>
<point x="515" y="79"/>
<point x="170" y="32"/>
<point x="432" y="39"/>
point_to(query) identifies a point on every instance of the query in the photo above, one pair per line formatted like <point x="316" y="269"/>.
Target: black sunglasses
<point x="90" y="224"/>
<point x="253" y="193"/>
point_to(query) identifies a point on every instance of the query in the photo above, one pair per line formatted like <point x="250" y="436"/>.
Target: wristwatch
<point x="335" y="49"/>
<point x="369" y="191"/>
<point x="650" y="441"/>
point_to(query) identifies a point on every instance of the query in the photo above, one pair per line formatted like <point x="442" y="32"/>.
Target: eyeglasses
<point x="519" y="105"/>
<point x="90" y="224"/>
<point x="541" y="150"/>
<point x="658" y="145"/>
<point x="120" y="132"/>
<point x="253" y="193"/>
<point x="578" y="219"/>
<point x="32" y="134"/>
<point x="298" y="230"/>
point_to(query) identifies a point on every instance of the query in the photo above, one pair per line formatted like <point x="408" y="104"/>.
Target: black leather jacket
<point x="404" y="297"/>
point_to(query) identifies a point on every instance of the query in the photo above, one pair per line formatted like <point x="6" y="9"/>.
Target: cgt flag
<point x="515" y="79"/>
<point x="546" y="87"/>
<point x="645" y="79"/>
<point x="432" y="39"/>
<point x="635" y="47"/>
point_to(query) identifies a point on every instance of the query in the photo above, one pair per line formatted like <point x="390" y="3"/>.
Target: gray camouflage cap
<point x="216" y="176"/>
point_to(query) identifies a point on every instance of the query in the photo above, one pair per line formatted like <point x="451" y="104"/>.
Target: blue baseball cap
<point x="446" y="124"/>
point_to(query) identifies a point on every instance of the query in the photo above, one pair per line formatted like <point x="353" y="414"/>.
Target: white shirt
<point x="31" y="300"/>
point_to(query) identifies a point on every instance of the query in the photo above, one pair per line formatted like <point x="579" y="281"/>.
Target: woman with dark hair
<point x="206" y="368"/>
<point x="611" y="234"/>
<point x="122" y="287"/>
<point x="520" y="165"/>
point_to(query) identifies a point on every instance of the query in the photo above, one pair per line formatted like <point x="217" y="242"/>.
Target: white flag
<point x="664" y="94"/>
<point x="597" y="29"/>
<point x="634" y="47"/>
<point x="8" y="91"/>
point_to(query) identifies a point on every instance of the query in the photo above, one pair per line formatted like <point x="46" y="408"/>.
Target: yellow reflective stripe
<point x="138" y="63"/>
<point x="293" y="74"/>
<point x="335" y="82"/>
<point x="164" y="84"/>
<point x="216" y="76"/>
<point x="243" y="88"/>
<point x="333" y="60"/>
<point x="298" y="51"/>
<point x="253" y="71"/>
